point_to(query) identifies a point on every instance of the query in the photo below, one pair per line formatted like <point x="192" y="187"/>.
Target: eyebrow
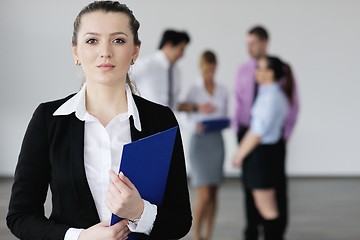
<point x="111" y="34"/>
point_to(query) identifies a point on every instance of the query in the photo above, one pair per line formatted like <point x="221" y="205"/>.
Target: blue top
<point x="268" y="113"/>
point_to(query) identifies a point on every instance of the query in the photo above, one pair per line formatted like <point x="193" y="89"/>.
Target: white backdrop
<point x="319" y="38"/>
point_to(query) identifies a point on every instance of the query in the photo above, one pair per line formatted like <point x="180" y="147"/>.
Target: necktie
<point x="170" y="87"/>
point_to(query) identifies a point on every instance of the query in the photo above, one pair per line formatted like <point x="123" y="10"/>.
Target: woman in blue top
<point x="261" y="153"/>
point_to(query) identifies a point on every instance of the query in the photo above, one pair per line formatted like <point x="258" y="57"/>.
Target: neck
<point x="209" y="86"/>
<point x="105" y="101"/>
<point x="261" y="55"/>
<point x="168" y="56"/>
<point x="209" y="83"/>
<point x="268" y="82"/>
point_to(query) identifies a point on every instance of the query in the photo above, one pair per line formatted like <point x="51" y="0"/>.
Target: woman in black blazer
<point x="105" y="43"/>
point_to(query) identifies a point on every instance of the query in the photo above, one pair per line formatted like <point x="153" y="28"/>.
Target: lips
<point x="106" y="66"/>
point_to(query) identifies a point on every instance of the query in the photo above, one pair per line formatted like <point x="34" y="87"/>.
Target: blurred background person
<point x="157" y="76"/>
<point x="206" y="147"/>
<point x="262" y="150"/>
<point x="246" y="86"/>
<point x="246" y="90"/>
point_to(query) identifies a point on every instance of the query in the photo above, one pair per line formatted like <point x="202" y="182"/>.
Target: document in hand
<point x="216" y="124"/>
<point x="146" y="163"/>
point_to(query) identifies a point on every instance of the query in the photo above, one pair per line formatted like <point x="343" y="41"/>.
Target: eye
<point x="91" y="41"/>
<point x="119" y="41"/>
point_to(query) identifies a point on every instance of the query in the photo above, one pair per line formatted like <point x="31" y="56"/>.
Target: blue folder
<point x="146" y="163"/>
<point x="216" y="124"/>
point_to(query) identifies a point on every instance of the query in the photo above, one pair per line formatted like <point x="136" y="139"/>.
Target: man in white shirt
<point x="157" y="76"/>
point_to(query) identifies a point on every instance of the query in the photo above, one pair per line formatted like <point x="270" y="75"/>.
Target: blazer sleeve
<point x="173" y="220"/>
<point x="26" y="218"/>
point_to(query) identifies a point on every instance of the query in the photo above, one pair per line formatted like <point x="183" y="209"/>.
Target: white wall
<point x="319" y="38"/>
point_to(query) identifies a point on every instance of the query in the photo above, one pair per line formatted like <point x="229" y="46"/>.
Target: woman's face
<point x="208" y="72"/>
<point x="263" y="74"/>
<point x="105" y="47"/>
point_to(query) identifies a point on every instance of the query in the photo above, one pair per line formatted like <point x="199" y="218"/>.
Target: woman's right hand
<point x="200" y="128"/>
<point x="206" y="108"/>
<point x="118" y="231"/>
<point x="237" y="160"/>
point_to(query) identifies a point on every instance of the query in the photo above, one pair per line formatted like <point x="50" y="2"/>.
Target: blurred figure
<point x="261" y="152"/>
<point x="206" y="147"/>
<point x="157" y="77"/>
<point x="246" y="87"/>
<point x="246" y="90"/>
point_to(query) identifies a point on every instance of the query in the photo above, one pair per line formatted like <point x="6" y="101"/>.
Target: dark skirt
<point x="265" y="166"/>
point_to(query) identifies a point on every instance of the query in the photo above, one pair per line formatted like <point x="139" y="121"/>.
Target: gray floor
<point x="321" y="209"/>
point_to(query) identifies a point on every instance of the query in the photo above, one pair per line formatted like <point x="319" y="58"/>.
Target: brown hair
<point x="208" y="57"/>
<point x="109" y="6"/>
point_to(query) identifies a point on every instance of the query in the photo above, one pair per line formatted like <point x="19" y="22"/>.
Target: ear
<point x="136" y="52"/>
<point x="271" y="74"/>
<point x="265" y="44"/>
<point x="75" y="54"/>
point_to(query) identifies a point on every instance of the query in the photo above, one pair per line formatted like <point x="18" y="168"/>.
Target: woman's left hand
<point x="123" y="199"/>
<point x="237" y="160"/>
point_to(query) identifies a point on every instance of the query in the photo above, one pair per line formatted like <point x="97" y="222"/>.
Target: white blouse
<point x="198" y="94"/>
<point x="103" y="148"/>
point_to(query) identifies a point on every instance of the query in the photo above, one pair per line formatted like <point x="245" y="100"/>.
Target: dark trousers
<point x="253" y="217"/>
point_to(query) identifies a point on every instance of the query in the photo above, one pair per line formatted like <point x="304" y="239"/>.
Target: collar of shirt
<point x="201" y="82"/>
<point x="163" y="60"/>
<point x="269" y="87"/>
<point x="77" y="104"/>
<point x="252" y="63"/>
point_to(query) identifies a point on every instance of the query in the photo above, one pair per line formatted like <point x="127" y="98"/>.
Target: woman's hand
<point x="102" y="231"/>
<point x="200" y="128"/>
<point x="206" y="108"/>
<point x="247" y="145"/>
<point x="237" y="160"/>
<point x="123" y="199"/>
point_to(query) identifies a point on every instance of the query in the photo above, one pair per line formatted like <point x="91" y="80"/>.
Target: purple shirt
<point x="244" y="99"/>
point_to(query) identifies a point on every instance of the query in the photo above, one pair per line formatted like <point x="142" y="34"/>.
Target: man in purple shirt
<point x="245" y="91"/>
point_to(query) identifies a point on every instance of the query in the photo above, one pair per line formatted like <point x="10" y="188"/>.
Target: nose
<point x="106" y="51"/>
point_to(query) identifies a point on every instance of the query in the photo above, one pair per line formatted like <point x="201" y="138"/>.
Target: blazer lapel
<point x="83" y="196"/>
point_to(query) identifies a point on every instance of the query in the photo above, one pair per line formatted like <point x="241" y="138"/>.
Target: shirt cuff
<point x="73" y="233"/>
<point x="146" y="221"/>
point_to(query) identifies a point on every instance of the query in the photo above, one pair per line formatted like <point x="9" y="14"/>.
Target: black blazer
<point x="53" y="153"/>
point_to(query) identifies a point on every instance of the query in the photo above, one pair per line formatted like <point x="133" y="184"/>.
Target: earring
<point x="77" y="63"/>
<point x="132" y="62"/>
